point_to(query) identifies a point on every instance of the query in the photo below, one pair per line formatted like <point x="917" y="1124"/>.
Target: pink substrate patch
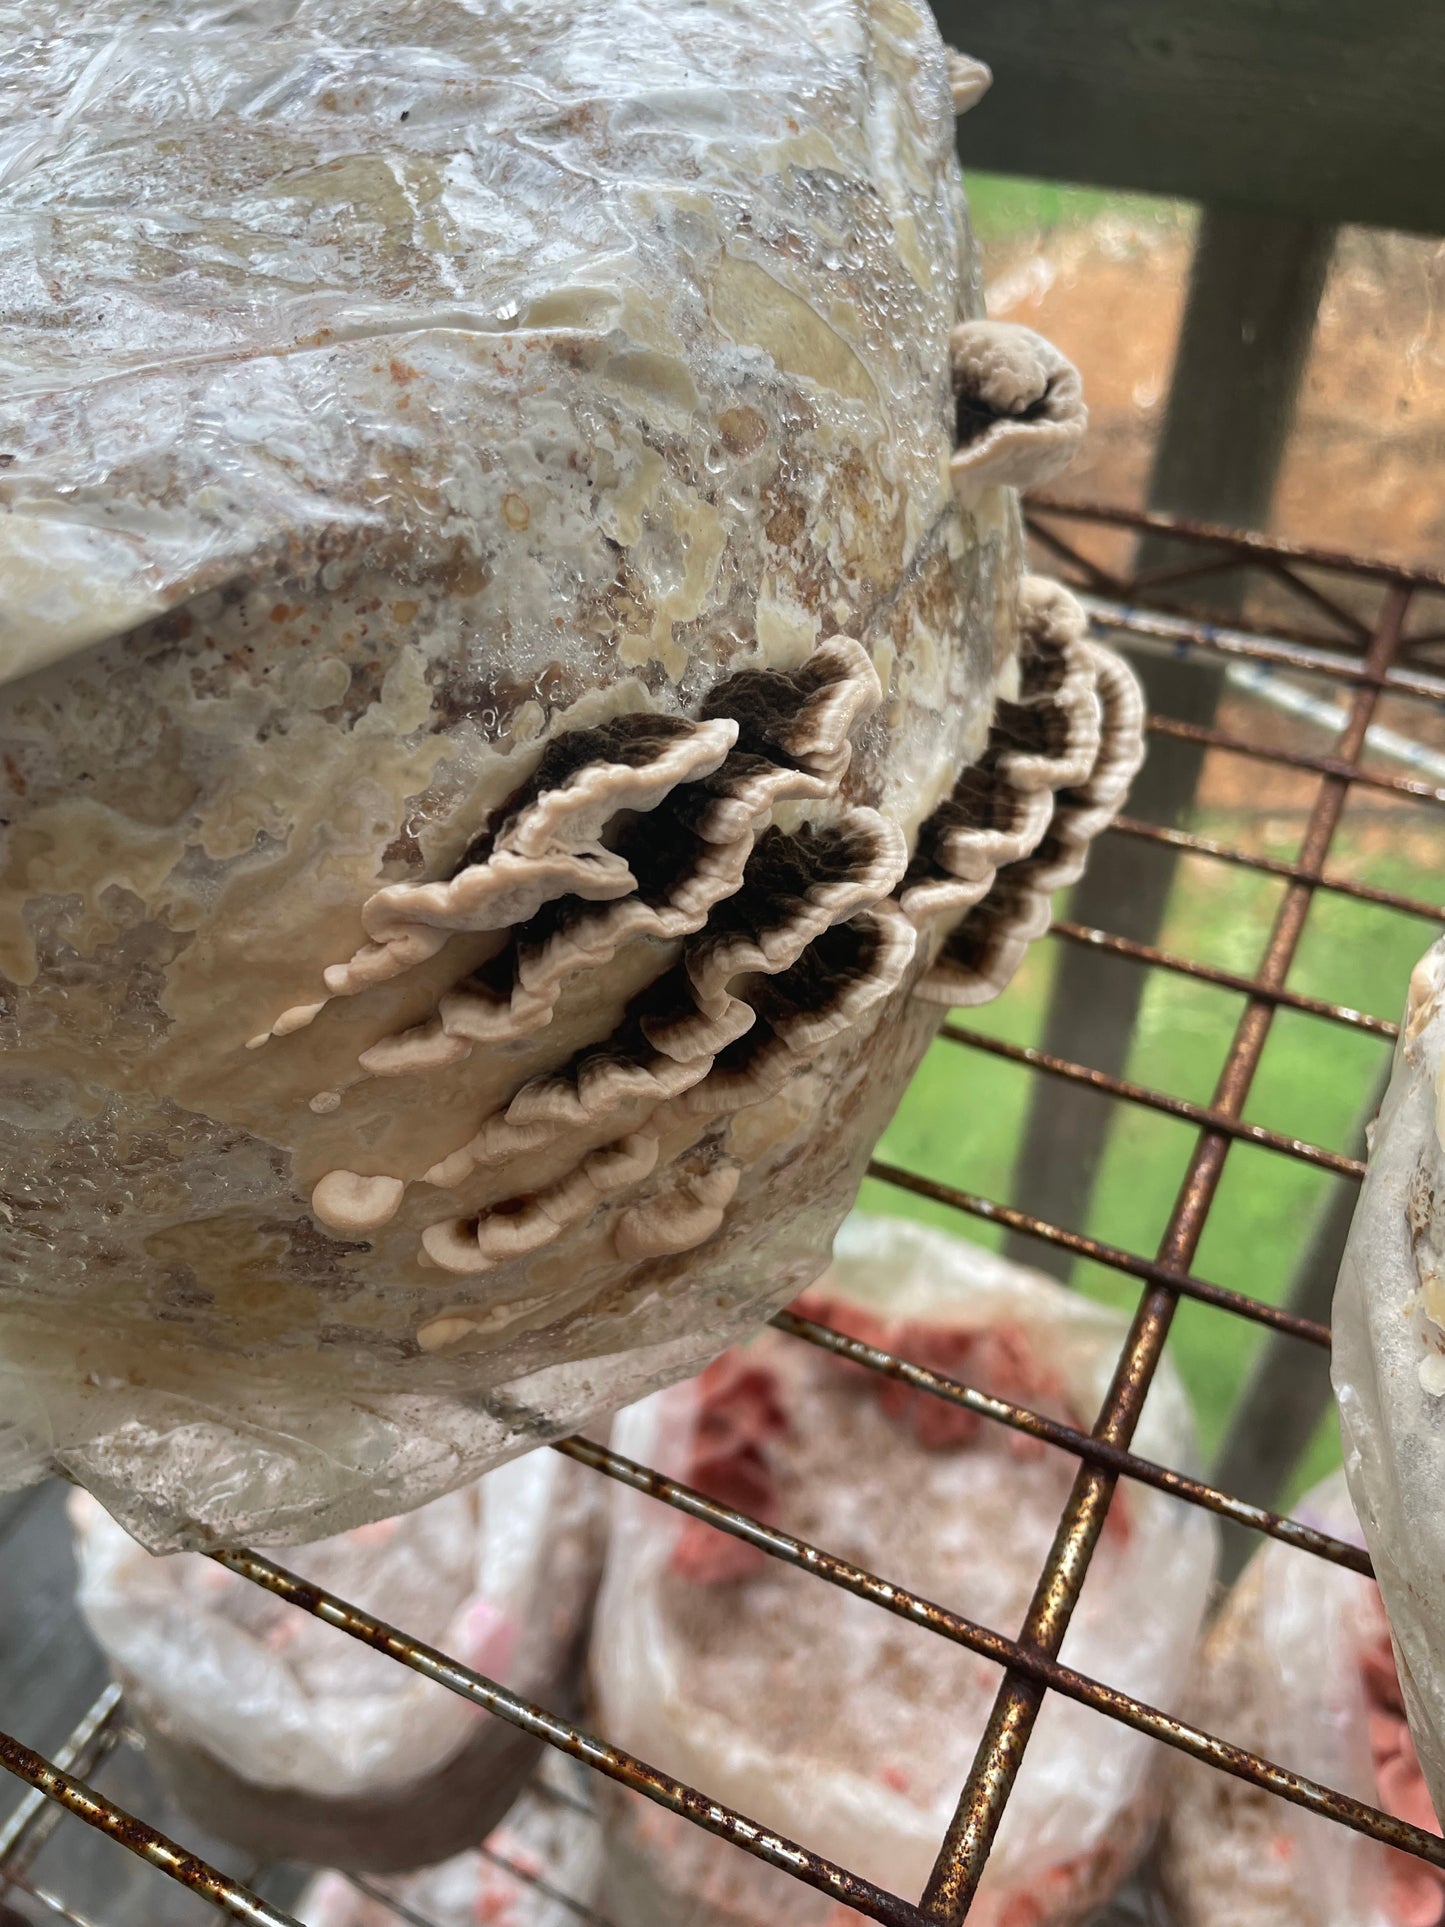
<point x="501" y="1897"/>
<point x="739" y="1415"/>
<point x="487" y="1639"/>
<point x="1416" y="1892"/>
<point x="1000" y="1361"/>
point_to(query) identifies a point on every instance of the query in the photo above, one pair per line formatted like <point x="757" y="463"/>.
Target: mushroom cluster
<point x="518" y="705"/>
<point x="658" y="831"/>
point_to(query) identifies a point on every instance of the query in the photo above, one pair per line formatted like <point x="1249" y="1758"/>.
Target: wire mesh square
<point x="1339" y="717"/>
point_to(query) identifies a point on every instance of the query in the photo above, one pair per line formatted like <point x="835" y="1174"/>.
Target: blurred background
<point x="1228" y="224"/>
<point x="1106" y="276"/>
<point x="1230" y="229"/>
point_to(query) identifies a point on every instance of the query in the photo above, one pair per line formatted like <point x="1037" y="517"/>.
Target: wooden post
<point x="1254" y="291"/>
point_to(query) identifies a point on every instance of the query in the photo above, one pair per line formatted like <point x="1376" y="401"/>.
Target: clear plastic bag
<point x="1297" y="1667"/>
<point x="540" y="1870"/>
<point x="1389" y="1361"/>
<point x="288" y="1738"/>
<point x="437" y="441"/>
<point x="823" y="1716"/>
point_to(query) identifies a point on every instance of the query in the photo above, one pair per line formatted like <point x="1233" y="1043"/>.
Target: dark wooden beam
<point x="1322" y="110"/>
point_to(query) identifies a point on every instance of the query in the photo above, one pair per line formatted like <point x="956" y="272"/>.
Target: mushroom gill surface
<point x="769" y="940"/>
<point x="1058" y="765"/>
<point x="1020" y="408"/>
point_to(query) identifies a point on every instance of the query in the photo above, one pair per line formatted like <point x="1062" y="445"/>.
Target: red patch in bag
<point x="739" y="1415"/>
<point x="1000" y="1361"/>
<point x="1415" y="1892"/>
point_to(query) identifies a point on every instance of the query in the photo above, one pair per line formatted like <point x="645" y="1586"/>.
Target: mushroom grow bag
<point x="1298" y="1667"/>
<point x="843" y="1726"/>
<point x="539" y="1869"/>
<point x="281" y="1735"/>
<point x="1388" y="1361"/>
<point x="518" y="708"/>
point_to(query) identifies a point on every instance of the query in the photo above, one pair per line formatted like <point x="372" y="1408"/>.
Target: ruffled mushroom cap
<point x="968" y="80"/>
<point x="524" y="1224"/>
<point x="680" y="1218"/>
<point x="838" y="979"/>
<point x="794" y="888"/>
<point x="543" y="844"/>
<point x="1018" y="826"/>
<point x="1020" y="409"/>
<point x="586" y="777"/>
<point x="768" y="942"/>
<point x="802" y="719"/>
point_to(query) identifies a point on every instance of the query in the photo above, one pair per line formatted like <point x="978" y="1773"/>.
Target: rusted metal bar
<point x="1344" y="769"/>
<point x="812" y="1869"/>
<point x="1277" y="867"/>
<point x="400" y="1908"/>
<point x="1205" y="1115"/>
<point x="1307" y="592"/>
<point x="1100" y="577"/>
<point x="1038" y="1666"/>
<point x="1265" y="547"/>
<point x="1146" y="953"/>
<point x="530" y="1879"/>
<point x="1082" y="1445"/>
<point x="961" y="1862"/>
<point x="33" y="1820"/>
<point x="1163" y="578"/>
<point x="140" y="1839"/>
<point x="1307" y="658"/>
<point x="1094" y="1249"/>
<point x="51" y="1902"/>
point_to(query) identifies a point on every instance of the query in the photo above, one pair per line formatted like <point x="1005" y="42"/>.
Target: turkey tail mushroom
<point x="1020" y="413"/>
<point x="543" y="845"/>
<point x="968" y="80"/>
<point x="818" y="946"/>
<point x="770" y="941"/>
<point x="1018" y="826"/>
<point x="679" y="1218"/>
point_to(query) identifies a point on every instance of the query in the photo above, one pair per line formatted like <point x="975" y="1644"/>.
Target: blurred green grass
<point x="1004" y="205"/>
<point x="962" y="1119"/>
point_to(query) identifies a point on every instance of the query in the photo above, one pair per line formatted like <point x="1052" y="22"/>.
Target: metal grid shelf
<point x="1367" y="652"/>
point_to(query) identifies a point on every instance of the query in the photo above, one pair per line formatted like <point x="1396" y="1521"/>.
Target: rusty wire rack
<point x="1358" y="627"/>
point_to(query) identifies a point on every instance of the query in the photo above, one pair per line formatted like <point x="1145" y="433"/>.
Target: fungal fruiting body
<point x="518" y="708"/>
